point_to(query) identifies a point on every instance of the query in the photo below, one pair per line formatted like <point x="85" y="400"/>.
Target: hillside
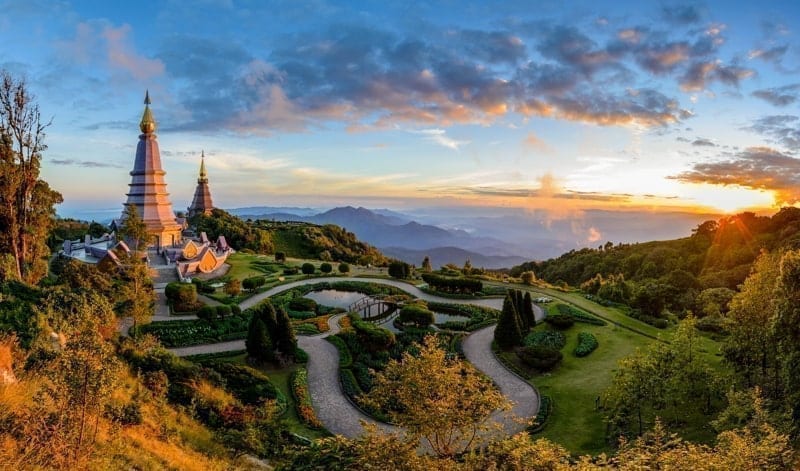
<point x="295" y="239"/>
<point x="718" y="254"/>
<point x="441" y="256"/>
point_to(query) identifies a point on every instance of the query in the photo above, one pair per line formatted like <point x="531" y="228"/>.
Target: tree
<point x="508" y="333"/>
<point x="751" y="347"/>
<point x="528" y="277"/>
<point x="280" y="257"/>
<point x="233" y="287"/>
<point x="344" y="268"/>
<point x="133" y="228"/>
<point x="138" y="297"/>
<point x="400" y="270"/>
<point x="426" y="264"/>
<point x="284" y="339"/>
<point x="786" y="328"/>
<point x="26" y="202"/>
<point x="258" y="344"/>
<point x="308" y="268"/>
<point x="326" y="267"/>
<point x="467" y="269"/>
<point x="418" y="392"/>
<point x="527" y="310"/>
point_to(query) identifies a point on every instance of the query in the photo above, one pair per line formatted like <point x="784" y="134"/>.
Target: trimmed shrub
<point x="373" y="338"/>
<point x="291" y="271"/>
<point x="326" y="267"/>
<point x="539" y="357"/>
<point x="280" y="257"/>
<point x="308" y="269"/>
<point x="302" y="304"/>
<point x="223" y="311"/>
<point x="344" y="268"/>
<point x="183" y="296"/>
<point x="587" y="343"/>
<point x="579" y="315"/>
<point x="560" y="321"/>
<point x="451" y="284"/>
<point x="546" y="338"/>
<point x="253" y="282"/>
<point x="207" y="313"/>
<point x="416" y="314"/>
<point x="398" y="269"/>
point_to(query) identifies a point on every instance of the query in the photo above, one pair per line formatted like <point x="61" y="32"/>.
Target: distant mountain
<point x="385" y="228"/>
<point x="253" y="211"/>
<point x="443" y="255"/>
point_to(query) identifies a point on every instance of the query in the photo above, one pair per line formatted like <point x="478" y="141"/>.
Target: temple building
<point x="176" y="250"/>
<point x="201" y="204"/>
<point x="148" y="190"/>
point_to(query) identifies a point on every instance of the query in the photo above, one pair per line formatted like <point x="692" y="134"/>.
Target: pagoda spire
<point x="201" y="203"/>
<point x="203" y="176"/>
<point x="148" y="123"/>
<point x="148" y="188"/>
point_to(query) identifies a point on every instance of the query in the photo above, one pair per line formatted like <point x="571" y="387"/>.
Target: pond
<point x="345" y="299"/>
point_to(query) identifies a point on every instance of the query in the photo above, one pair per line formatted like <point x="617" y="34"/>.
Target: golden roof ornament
<point x="202" y="167"/>
<point x="148" y="123"/>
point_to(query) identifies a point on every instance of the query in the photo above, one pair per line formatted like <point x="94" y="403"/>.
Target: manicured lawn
<point x="240" y="265"/>
<point x="575" y="384"/>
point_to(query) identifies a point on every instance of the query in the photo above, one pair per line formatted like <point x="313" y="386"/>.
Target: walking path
<point x="333" y="408"/>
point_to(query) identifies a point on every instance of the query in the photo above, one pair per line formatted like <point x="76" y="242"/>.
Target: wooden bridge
<point x="364" y="306"/>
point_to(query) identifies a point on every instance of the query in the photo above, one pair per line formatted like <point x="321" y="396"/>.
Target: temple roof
<point x="201" y="203"/>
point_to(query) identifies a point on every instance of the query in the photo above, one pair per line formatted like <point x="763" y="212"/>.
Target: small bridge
<point x="364" y="307"/>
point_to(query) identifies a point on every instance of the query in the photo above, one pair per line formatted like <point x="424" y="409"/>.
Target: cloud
<point x="774" y="54"/>
<point x="438" y="136"/>
<point x="779" y="129"/>
<point x="757" y="168"/>
<point x="594" y="235"/>
<point x="779" y="96"/>
<point x="532" y="141"/>
<point x="101" y="41"/>
<point x="681" y="14"/>
<point x="703" y="142"/>
<point x="367" y="76"/>
<point x="84" y="163"/>
<point x="701" y="74"/>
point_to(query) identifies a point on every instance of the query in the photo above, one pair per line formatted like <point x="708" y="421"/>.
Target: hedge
<point x="579" y="315"/>
<point x="546" y="338"/>
<point x="539" y="357"/>
<point x="545" y="411"/>
<point x="560" y="321"/>
<point x="587" y="343"/>
<point x="452" y="285"/>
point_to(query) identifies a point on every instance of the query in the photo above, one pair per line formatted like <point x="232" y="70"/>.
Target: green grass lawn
<point x="577" y="382"/>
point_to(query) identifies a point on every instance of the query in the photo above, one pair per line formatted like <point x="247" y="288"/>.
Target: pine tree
<point x="508" y="334"/>
<point x="285" y="341"/>
<point x="527" y="310"/>
<point x="258" y="343"/>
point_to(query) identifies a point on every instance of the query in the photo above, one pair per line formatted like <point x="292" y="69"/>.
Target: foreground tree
<point x="136" y="293"/>
<point x="418" y="392"/>
<point x="133" y="228"/>
<point x="26" y="203"/>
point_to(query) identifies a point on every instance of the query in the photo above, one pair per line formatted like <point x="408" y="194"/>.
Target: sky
<point x="561" y="106"/>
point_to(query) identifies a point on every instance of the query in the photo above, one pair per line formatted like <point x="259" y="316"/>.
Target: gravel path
<point x="523" y="396"/>
<point x="333" y="408"/>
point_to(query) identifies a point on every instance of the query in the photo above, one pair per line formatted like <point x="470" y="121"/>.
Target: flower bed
<point x="579" y="315"/>
<point x="546" y="338"/>
<point x="302" y="399"/>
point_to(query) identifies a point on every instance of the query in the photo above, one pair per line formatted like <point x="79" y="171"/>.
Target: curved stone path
<point x="333" y="408"/>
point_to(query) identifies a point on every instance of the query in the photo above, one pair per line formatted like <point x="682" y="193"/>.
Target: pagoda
<point x="148" y="190"/>
<point x="201" y="204"/>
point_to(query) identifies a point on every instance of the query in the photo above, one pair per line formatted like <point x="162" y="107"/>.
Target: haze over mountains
<point x="491" y="237"/>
